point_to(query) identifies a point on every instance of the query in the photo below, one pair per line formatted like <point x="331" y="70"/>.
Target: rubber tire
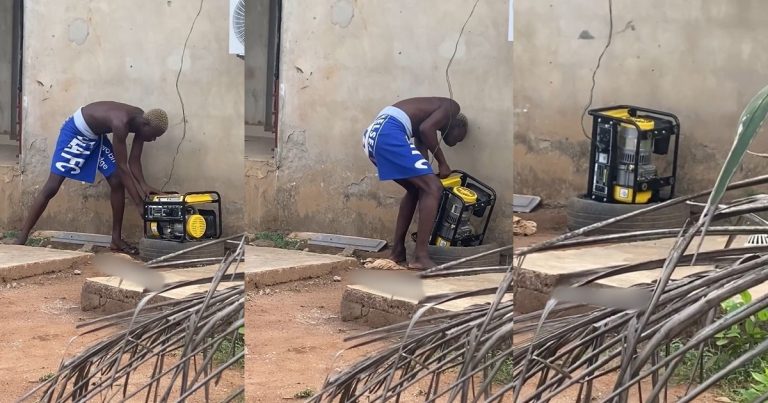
<point x="582" y="212"/>
<point x="443" y="255"/>
<point x="150" y="249"/>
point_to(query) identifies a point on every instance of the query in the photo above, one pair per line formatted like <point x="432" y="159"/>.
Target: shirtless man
<point x="83" y="148"/>
<point x="397" y="143"/>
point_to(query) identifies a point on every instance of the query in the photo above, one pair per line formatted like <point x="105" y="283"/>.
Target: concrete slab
<point x="376" y="308"/>
<point x="533" y="284"/>
<point x="268" y="266"/>
<point x="262" y="267"/>
<point x="17" y="262"/>
<point x="540" y="271"/>
<point x="108" y="295"/>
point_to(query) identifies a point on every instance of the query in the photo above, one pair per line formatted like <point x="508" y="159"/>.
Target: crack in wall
<point x="597" y="67"/>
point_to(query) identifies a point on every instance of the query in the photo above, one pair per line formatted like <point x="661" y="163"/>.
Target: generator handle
<point x="632" y="112"/>
<point x="488" y="188"/>
<point x="218" y="196"/>
<point x="147" y="198"/>
<point x="493" y="197"/>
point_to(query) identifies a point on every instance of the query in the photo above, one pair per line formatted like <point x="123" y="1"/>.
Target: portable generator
<point x="189" y="217"/>
<point x="622" y="166"/>
<point x="465" y="210"/>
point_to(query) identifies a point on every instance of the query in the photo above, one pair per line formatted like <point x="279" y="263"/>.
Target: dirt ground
<point x="293" y="333"/>
<point x="39" y="317"/>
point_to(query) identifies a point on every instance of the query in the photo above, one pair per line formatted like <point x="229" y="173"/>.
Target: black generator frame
<point x="600" y="117"/>
<point x="466" y="178"/>
<point x="183" y="203"/>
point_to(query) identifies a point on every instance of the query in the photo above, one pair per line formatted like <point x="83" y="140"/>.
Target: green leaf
<point x="750" y="326"/>
<point x="749" y="124"/>
<point x="762" y="378"/>
<point x="746" y="296"/>
<point x="762" y="316"/>
<point x="721" y="342"/>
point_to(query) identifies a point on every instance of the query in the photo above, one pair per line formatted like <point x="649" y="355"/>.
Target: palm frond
<point x="165" y="351"/>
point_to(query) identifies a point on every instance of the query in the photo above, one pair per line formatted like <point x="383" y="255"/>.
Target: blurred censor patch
<point x="129" y="270"/>
<point x="628" y="299"/>
<point x="400" y="284"/>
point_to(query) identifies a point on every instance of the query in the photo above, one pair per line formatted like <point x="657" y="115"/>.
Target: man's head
<point x="456" y="130"/>
<point x="152" y="125"/>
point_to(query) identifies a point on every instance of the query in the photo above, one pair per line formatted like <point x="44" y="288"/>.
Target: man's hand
<point x="444" y="171"/>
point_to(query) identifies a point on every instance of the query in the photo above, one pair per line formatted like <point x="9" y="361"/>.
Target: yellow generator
<point x="182" y="218"/>
<point x="175" y="222"/>
<point x="622" y="168"/>
<point x="464" y="212"/>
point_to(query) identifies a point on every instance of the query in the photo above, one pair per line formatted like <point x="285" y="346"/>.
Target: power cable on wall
<point x="181" y="99"/>
<point x="448" y="77"/>
<point x="597" y="67"/>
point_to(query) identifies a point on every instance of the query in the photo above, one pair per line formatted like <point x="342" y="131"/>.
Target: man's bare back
<point x="102" y="116"/>
<point x="419" y="109"/>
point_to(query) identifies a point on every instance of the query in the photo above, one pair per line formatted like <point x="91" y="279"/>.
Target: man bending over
<point x="83" y="148"/>
<point x="397" y="143"/>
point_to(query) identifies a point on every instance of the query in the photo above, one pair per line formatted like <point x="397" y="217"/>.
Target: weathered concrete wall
<point x="10" y="197"/>
<point x="701" y="60"/>
<point x="6" y="53"/>
<point x="342" y="61"/>
<point x="260" y="186"/>
<point x="81" y="51"/>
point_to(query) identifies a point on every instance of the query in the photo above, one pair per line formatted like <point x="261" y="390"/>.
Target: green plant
<point x="727" y="346"/>
<point x="504" y="374"/>
<point x="35" y="241"/>
<point x="757" y="388"/>
<point x="742" y="336"/>
<point x="280" y="240"/>
<point x="31" y="241"/>
<point x="304" y="394"/>
<point x="229" y="348"/>
<point x="46" y="377"/>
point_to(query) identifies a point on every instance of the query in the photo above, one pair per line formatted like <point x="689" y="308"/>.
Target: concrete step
<point x="540" y="271"/>
<point x="262" y="267"/>
<point x="377" y="308"/>
<point x="17" y="262"/>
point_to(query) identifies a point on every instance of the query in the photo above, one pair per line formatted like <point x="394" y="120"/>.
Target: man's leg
<point x="49" y="190"/>
<point x="404" y="218"/>
<point x="117" y="200"/>
<point x="430" y="190"/>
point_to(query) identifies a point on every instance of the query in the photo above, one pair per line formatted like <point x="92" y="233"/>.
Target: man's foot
<point x="423" y="263"/>
<point x="123" y="247"/>
<point x="398" y="255"/>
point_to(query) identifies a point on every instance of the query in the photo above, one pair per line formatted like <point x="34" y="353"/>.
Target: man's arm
<point x="428" y="136"/>
<point x="120" y="134"/>
<point x="134" y="164"/>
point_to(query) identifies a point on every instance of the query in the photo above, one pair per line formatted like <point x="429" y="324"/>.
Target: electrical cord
<point x="448" y="77"/>
<point x="597" y="67"/>
<point x="181" y="99"/>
